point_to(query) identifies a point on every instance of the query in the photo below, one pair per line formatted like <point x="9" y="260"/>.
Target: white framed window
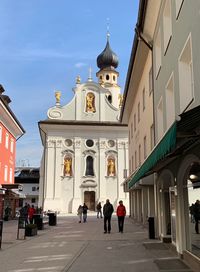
<point x="135" y="159"/>
<point x="186" y="84"/>
<point x="131" y="130"/>
<point x="139" y="155"/>
<point x="152" y="136"/>
<point x="6" y="173"/>
<point x="11" y="145"/>
<point x="145" y="147"/>
<point x="7" y="140"/>
<point x="158" y="53"/>
<point x="178" y="4"/>
<point x="138" y="112"/>
<point x="11" y="175"/>
<point x="0" y="134"/>
<point x="143" y="99"/>
<point x="170" y="104"/>
<point x="150" y="81"/>
<point x="160" y="119"/>
<point x="167" y="24"/>
<point x="134" y="122"/>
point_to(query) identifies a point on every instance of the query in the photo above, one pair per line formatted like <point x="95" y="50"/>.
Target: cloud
<point x="80" y="64"/>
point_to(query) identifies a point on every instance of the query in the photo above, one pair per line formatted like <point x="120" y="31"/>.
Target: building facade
<point x="85" y="146"/>
<point x="170" y="27"/>
<point x="10" y="131"/>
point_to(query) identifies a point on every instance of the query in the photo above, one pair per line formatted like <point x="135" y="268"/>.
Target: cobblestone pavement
<point x="75" y="247"/>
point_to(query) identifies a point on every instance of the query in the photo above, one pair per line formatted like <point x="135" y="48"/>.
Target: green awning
<point x="166" y="145"/>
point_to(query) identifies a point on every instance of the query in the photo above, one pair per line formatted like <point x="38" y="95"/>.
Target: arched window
<point x="107" y="77"/>
<point x="109" y="98"/>
<point x="89" y="166"/>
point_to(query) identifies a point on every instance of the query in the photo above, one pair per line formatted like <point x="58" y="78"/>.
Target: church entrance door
<point x="89" y="199"/>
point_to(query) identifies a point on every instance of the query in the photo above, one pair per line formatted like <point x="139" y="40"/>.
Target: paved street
<point x="75" y="247"/>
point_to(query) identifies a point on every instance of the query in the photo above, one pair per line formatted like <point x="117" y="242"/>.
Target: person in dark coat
<point x="85" y="209"/>
<point x="196" y="211"/>
<point x="107" y="212"/>
<point x="99" y="211"/>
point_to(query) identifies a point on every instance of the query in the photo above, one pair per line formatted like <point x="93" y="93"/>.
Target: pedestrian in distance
<point x="80" y="213"/>
<point x="85" y="209"/>
<point x="121" y="213"/>
<point x="99" y="211"/>
<point x="31" y="212"/>
<point x="107" y="212"/>
<point x="197" y="215"/>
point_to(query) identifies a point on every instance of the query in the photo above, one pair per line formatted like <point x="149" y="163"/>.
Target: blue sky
<point x="45" y="44"/>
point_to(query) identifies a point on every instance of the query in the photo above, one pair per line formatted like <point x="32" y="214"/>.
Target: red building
<point x="10" y="131"/>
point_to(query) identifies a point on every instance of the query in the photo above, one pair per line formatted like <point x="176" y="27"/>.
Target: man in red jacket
<point x="121" y="213"/>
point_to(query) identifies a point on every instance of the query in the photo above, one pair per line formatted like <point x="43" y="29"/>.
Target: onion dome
<point x="107" y="58"/>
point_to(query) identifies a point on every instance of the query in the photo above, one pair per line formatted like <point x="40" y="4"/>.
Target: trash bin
<point x="52" y="219"/>
<point x="151" y="228"/>
<point x="38" y="220"/>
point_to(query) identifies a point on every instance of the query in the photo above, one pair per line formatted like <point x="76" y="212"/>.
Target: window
<point x="131" y="130"/>
<point x="33" y="189"/>
<point x="33" y="200"/>
<point x="6" y="142"/>
<point x="0" y="134"/>
<point x="114" y="78"/>
<point x="11" y="175"/>
<point x="89" y="143"/>
<point x="143" y="99"/>
<point x="160" y="118"/>
<point x="186" y="76"/>
<point x="6" y="173"/>
<point x="167" y="24"/>
<point x="150" y="81"/>
<point x="138" y="112"/>
<point x="145" y="147"/>
<point x="132" y="164"/>
<point x="152" y="136"/>
<point x="158" y="53"/>
<point x="134" y="122"/>
<point x="107" y="77"/>
<point x="89" y="166"/>
<point x="139" y="155"/>
<point x="129" y="167"/>
<point x="135" y="159"/>
<point x="11" y="145"/>
<point x="170" y="105"/>
<point x="178" y="4"/>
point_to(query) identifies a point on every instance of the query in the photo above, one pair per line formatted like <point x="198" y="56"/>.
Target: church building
<point x="85" y="156"/>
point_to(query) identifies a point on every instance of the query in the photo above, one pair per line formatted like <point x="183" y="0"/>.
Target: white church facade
<point x="85" y="155"/>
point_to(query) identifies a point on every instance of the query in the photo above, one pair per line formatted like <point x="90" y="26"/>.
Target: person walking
<point x="31" y="212"/>
<point x="99" y="211"/>
<point x="85" y="209"/>
<point x="197" y="215"/>
<point x="107" y="212"/>
<point x="80" y="213"/>
<point x="121" y="213"/>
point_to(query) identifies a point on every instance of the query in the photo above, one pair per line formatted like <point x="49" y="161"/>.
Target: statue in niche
<point x="68" y="166"/>
<point x="111" y="167"/>
<point x="90" y="103"/>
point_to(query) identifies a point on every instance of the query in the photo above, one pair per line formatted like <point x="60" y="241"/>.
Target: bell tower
<point x="107" y="61"/>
